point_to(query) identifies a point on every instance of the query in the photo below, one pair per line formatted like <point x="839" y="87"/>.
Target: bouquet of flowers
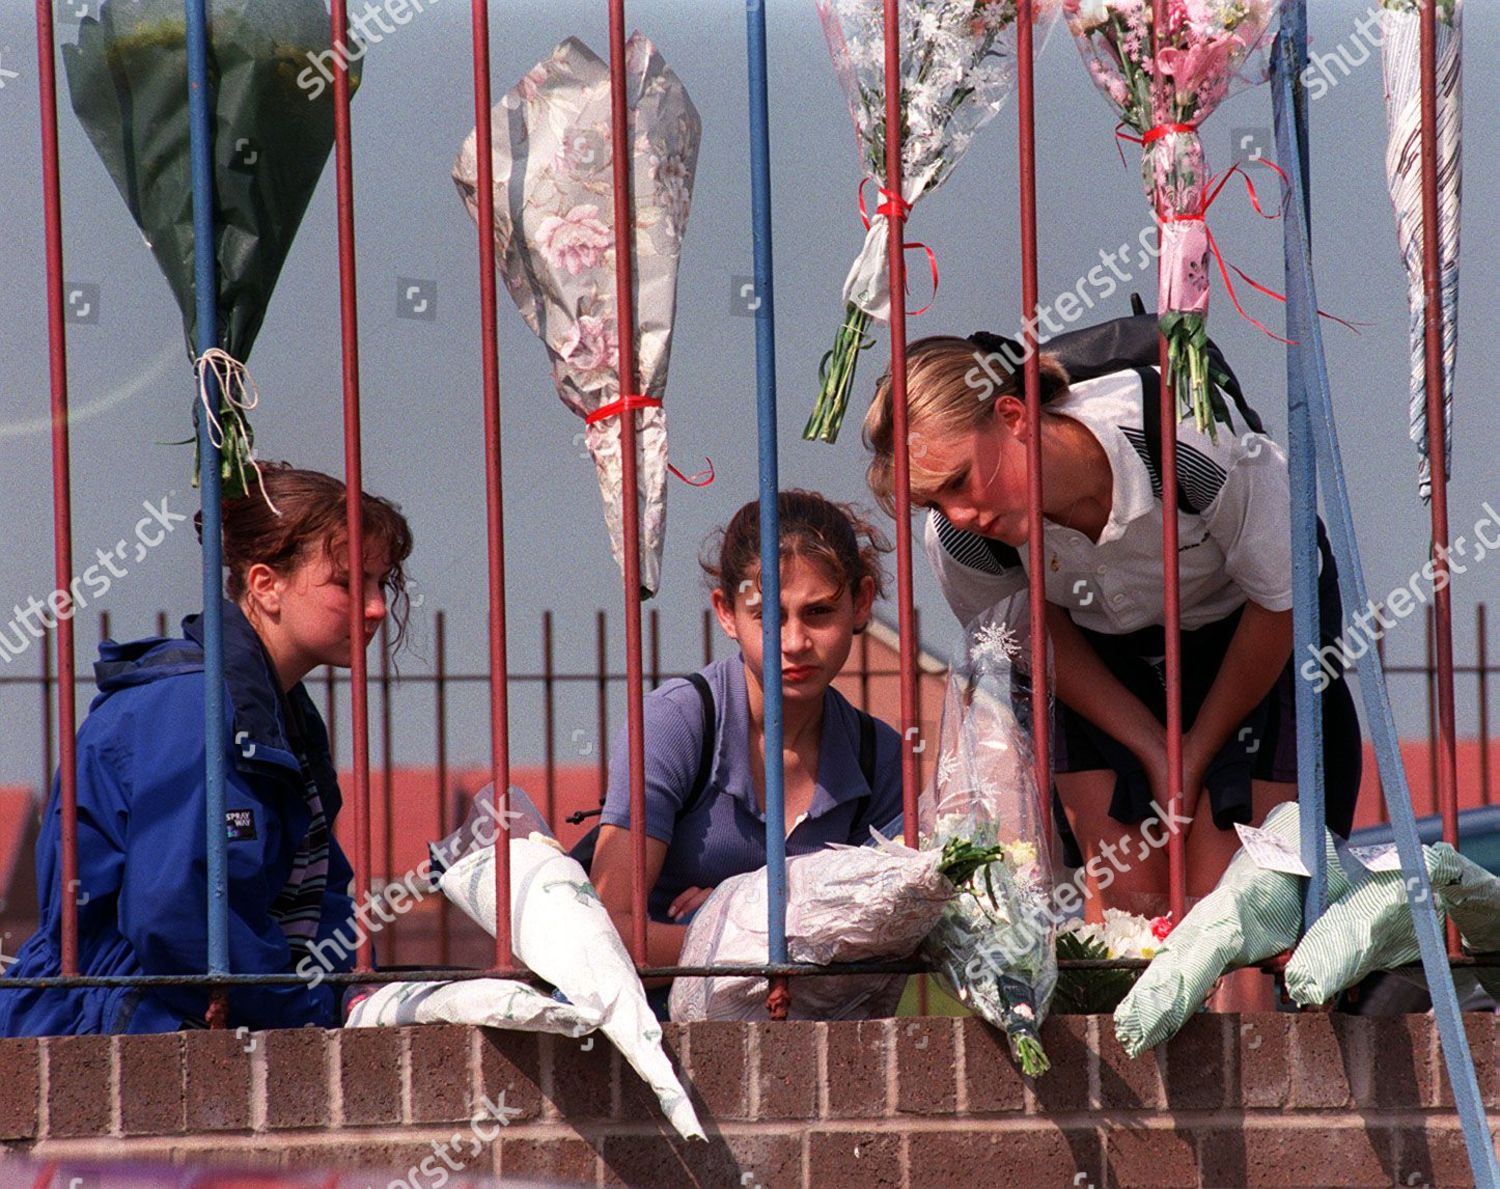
<point x="555" y="243"/>
<point x="1255" y="911"/>
<point x="843" y="904"/>
<point x="994" y="946"/>
<point x="1120" y="935"/>
<point x="129" y="84"/>
<point x="958" y="63"/>
<point x="1400" y="25"/>
<point x="1207" y="49"/>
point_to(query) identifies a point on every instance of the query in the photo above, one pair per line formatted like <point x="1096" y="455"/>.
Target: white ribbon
<point x="240" y="395"/>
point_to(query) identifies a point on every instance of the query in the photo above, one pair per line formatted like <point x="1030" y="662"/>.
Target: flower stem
<point x="838" y="377"/>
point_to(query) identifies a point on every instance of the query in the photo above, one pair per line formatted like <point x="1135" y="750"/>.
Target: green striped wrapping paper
<point x="1371" y="928"/>
<point x="1251" y="915"/>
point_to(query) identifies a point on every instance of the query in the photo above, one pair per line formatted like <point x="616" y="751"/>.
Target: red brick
<point x="1401" y="1052"/>
<point x="441" y="1082"/>
<point x="1328" y="1058"/>
<point x="1480" y="1029"/>
<point x="548" y="1161"/>
<point x="20" y="1074"/>
<point x="1150" y="1156"/>
<point x="765" y="1161"/>
<point x="1324" y="1155"/>
<point x="370" y="1075"/>
<point x="863" y="1158"/>
<point x="296" y="1077"/>
<point x="216" y="1080"/>
<point x="1125" y="1082"/>
<point x="511" y="1062"/>
<point x="664" y="1162"/>
<point x="788" y="1073"/>
<point x="1263" y="1059"/>
<point x="638" y="1102"/>
<point x="1065" y="1085"/>
<point x="719" y="1069"/>
<point x="582" y="1076"/>
<point x="856" y="1087"/>
<point x="1043" y="1155"/>
<point x="77" y="1085"/>
<point x="1198" y="1062"/>
<point x="993" y="1082"/>
<point x="392" y="1159"/>
<point x="926" y="1066"/>
<point x="150" y="1084"/>
<point x="1434" y="1155"/>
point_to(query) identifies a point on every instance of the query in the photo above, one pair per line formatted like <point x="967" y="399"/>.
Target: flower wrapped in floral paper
<point x="994" y="946"/>
<point x="555" y="250"/>
<point x="958" y="64"/>
<point x="1208" y="49"/>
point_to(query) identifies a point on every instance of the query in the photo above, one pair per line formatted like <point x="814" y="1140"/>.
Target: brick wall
<point x="1312" y="1100"/>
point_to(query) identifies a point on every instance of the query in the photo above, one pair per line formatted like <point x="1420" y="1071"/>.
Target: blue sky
<point x="131" y="388"/>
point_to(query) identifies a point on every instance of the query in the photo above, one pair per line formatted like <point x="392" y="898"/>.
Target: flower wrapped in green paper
<point x="128" y="79"/>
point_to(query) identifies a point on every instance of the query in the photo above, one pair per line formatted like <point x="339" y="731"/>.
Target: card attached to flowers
<point x="1270" y="852"/>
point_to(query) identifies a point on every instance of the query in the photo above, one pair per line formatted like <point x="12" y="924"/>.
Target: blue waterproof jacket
<point x="142" y="867"/>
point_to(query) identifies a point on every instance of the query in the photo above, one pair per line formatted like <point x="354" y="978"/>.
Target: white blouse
<point x="1237" y="548"/>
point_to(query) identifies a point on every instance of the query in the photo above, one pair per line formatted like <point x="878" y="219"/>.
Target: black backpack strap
<point x="867" y="747"/>
<point x="583" y="849"/>
<point x="706" y="747"/>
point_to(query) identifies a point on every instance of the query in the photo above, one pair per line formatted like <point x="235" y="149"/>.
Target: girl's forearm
<point x="1256" y="656"/>
<point x="1090" y="689"/>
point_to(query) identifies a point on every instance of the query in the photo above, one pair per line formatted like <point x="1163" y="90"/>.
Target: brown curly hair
<point x="311" y="515"/>
<point x="836" y="535"/>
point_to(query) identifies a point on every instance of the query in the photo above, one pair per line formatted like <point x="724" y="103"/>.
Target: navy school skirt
<point x="1263" y="747"/>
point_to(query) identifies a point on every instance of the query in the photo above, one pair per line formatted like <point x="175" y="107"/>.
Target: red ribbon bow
<point x="894" y="206"/>
<point x="636" y="400"/>
<point x="1157" y="133"/>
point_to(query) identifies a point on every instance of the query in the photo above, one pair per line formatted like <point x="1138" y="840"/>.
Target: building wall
<point x="1311" y="1099"/>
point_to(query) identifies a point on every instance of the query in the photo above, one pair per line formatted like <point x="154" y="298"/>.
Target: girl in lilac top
<point x="830" y="577"/>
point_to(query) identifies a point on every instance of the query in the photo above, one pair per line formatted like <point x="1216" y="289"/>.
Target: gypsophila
<point x="995" y="642"/>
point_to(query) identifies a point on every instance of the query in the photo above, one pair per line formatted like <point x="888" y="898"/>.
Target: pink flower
<point x="531" y="82"/>
<point x="592" y="345"/>
<point x="1161" y="926"/>
<point x="575" y="242"/>
<point x="1200" y="65"/>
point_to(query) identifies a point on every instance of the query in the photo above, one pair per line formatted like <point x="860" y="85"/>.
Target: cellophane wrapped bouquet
<point x="958" y="65"/>
<point x="995" y="946"/>
<point x="1208" y="49"/>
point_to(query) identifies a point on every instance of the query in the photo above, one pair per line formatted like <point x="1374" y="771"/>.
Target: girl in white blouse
<point x="1102" y="510"/>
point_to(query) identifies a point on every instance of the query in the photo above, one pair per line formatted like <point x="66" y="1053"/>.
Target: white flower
<point x="1089" y="14"/>
<point x="1018" y="854"/>
<point x="995" y="642"/>
<point x="1126" y="935"/>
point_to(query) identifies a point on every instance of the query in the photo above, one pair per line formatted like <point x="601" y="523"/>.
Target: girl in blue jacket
<point x="142" y="883"/>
